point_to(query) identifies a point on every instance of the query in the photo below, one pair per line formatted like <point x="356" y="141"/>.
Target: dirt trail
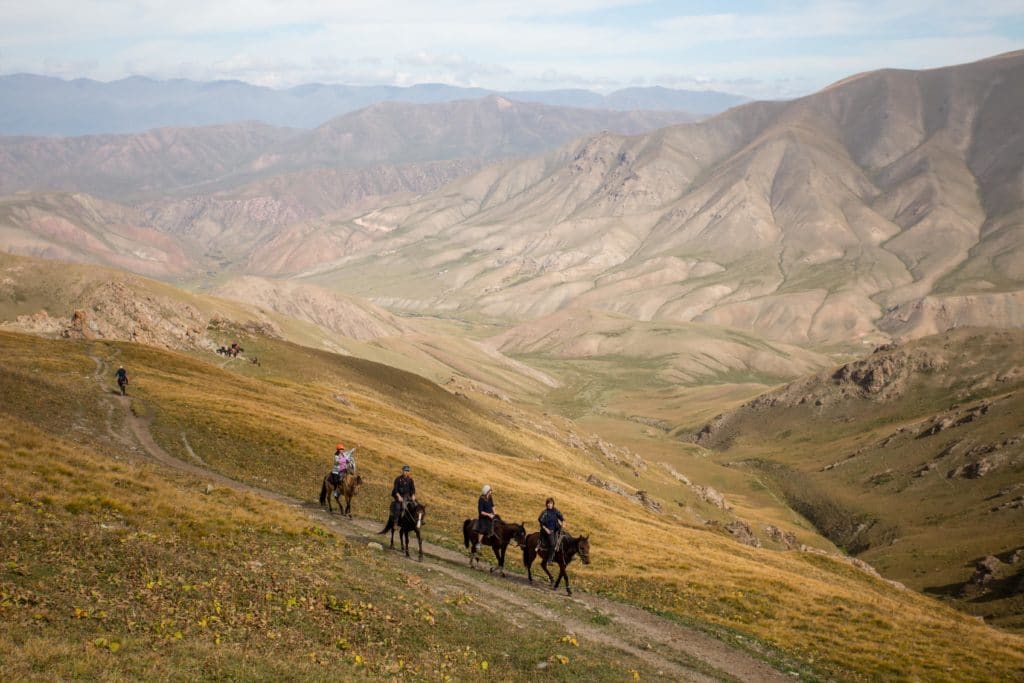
<point x="674" y="651"/>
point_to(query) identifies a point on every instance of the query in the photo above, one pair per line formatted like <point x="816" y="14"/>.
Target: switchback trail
<point x="673" y="650"/>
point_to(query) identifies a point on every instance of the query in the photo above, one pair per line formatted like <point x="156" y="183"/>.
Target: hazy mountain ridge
<point x="814" y="217"/>
<point x="188" y="160"/>
<point x="41" y="105"/>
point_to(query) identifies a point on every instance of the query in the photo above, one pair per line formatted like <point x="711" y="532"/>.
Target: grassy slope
<point x="113" y="570"/>
<point x="278" y="429"/>
<point x="929" y="528"/>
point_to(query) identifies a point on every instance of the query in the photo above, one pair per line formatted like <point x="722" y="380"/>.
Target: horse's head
<point x="583" y="545"/>
<point x="420" y="511"/>
<point x="519" y="534"/>
<point x="358" y="481"/>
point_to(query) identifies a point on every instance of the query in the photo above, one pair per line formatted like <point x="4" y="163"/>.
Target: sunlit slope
<point x="117" y="570"/>
<point x="279" y="429"/>
<point x="809" y="221"/>
<point x="42" y="296"/>
<point x="913" y="458"/>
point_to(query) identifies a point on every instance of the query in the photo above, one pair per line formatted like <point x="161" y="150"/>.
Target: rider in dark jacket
<point x="122" y="379"/>
<point x="551" y="523"/>
<point x="485" y="514"/>
<point x="402" y="492"/>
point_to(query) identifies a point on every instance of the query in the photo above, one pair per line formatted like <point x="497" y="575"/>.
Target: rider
<point x="403" y="491"/>
<point x="122" y="378"/>
<point x="551" y="523"/>
<point x="343" y="463"/>
<point x="485" y="514"/>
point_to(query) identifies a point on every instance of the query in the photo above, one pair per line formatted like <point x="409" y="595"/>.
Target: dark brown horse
<point x="411" y="519"/>
<point x="567" y="549"/>
<point x="504" y="533"/>
<point x="346" y="486"/>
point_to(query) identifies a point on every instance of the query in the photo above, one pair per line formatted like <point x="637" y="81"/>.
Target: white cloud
<point x="503" y="44"/>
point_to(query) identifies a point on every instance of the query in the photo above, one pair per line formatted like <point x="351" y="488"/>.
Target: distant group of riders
<point x="551" y="543"/>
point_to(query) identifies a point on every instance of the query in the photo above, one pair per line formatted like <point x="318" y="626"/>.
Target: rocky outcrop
<point x="739" y="530"/>
<point x="640" y="497"/>
<point x="954" y="418"/>
<point x="785" y="538"/>
<point x="115" y="310"/>
<point x="705" y="493"/>
<point x="885" y="371"/>
<point x="616" y="455"/>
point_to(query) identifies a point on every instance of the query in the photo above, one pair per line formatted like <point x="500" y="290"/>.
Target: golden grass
<point x="115" y="571"/>
<point x="833" y="618"/>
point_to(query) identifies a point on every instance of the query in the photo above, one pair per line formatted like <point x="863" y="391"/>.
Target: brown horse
<point x="410" y="519"/>
<point x="504" y="533"/>
<point x="567" y="549"/>
<point x="346" y="486"/>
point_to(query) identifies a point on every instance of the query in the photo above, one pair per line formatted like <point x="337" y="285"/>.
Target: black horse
<point x="504" y="533"/>
<point x="567" y="549"/>
<point x="411" y="519"/>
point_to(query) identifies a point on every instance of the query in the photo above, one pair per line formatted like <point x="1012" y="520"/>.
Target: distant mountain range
<point x="168" y="160"/>
<point x="888" y="204"/>
<point x="882" y="200"/>
<point x="41" y="105"/>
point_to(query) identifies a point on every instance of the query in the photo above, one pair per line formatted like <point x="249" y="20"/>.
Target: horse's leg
<point x="393" y="538"/>
<point x="544" y="566"/>
<point x="405" y="539"/>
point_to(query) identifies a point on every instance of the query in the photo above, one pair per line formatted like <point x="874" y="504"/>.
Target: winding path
<point x="676" y="652"/>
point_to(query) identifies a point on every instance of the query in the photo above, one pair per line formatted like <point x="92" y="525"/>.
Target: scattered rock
<point x="1014" y="504"/>
<point x="705" y="493"/>
<point x="209" y="489"/>
<point x="373" y="545"/>
<point x="786" y="538"/>
<point x="740" y="530"/>
<point x="639" y="496"/>
<point x="986" y="571"/>
<point x="973" y="470"/>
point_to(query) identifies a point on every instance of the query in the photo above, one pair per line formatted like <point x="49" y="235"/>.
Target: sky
<point x="758" y="49"/>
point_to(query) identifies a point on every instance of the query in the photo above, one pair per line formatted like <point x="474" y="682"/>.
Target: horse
<point x="411" y="519"/>
<point x="346" y="487"/>
<point x="504" y="533"/>
<point x="567" y="549"/>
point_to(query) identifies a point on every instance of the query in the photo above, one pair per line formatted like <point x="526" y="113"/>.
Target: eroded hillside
<point x="807" y="221"/>
<point x="911" y="458"/>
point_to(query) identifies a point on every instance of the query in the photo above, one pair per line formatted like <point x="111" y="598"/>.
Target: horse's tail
<point x="389" y="526"/>
<point x="323" y="493"/>
<point x="465" y="532"/>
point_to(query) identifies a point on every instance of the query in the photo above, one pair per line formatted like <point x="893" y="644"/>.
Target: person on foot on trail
<point x="485" y="514"/>
<point x="551" y="523"/>
<point x="122" y="379"/>
<point x="402" y="492"/>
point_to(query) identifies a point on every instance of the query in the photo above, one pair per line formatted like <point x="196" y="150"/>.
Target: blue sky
<point x="759" y="49"/>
